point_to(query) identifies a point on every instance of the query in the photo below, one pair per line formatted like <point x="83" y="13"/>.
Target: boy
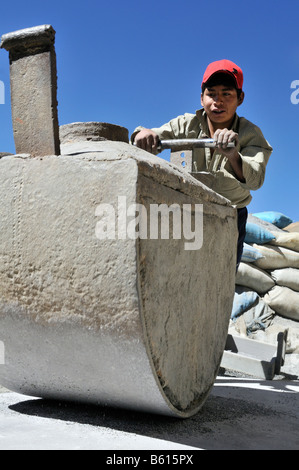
<point x="238" y="169"/>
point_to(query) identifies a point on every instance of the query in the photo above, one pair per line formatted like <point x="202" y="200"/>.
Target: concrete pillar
<point x="33" y="83"/>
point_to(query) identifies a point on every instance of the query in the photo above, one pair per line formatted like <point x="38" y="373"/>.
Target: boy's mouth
<point x="218" y="111"/>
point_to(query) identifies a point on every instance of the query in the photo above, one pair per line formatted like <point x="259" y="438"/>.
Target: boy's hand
<point x="222" y="137"/>
<point x="147" y="140"/>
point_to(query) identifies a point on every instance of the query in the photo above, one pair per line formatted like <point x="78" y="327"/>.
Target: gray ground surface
<point x="240" y="413"/>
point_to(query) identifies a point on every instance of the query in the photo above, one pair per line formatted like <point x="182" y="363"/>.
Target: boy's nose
<point x="218" y="99"/>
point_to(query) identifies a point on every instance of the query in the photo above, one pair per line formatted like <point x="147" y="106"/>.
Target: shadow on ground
<point x="222" y="423"/>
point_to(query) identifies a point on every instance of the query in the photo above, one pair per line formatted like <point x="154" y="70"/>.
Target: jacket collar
<point x="203" y="122"/>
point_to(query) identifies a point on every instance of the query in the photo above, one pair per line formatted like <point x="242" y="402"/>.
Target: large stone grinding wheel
<point x="138" y="324"/>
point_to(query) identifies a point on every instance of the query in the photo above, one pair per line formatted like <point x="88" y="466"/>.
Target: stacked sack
<point x="267" y="280"/>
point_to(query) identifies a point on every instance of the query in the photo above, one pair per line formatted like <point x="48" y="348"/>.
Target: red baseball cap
<point x="224" y="66"/>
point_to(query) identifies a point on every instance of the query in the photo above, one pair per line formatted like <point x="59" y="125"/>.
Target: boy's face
<point x="220" y="103"/>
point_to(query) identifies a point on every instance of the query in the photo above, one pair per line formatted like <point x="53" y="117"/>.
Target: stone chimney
<point x="33" y="82"/>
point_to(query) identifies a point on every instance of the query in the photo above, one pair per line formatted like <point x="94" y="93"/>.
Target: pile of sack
<point x="267" y="280"/>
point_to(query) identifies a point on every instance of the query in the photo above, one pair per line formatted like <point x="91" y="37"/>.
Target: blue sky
<point x="141" y="63"/>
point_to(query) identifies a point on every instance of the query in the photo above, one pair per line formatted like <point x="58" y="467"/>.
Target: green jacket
<point x="253" y="149"/>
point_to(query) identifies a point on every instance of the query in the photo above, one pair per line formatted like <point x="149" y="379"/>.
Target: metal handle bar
<point x="189" y="144"/>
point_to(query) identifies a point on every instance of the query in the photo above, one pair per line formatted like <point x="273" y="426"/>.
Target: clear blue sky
<point x="131" y="62"/>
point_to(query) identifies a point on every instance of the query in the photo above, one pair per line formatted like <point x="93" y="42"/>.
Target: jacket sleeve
<point x="255" y="152"/>
<point x="184" y="126"/>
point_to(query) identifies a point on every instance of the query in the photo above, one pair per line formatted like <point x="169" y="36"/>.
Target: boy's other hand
<point x="223" y="137"/>
<point x="147" y="140"/>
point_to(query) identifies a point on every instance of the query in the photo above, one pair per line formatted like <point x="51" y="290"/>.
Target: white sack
<point x="294" y="227"/>
<point x="287" y="240"/>
<point x="254" y="278"/>
<point x="284" y="301"/>
<point x="276" y="257"/>
<point x="286" y="277"/>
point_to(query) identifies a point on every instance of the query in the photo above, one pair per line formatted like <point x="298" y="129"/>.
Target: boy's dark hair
<point x="221" y="78"/>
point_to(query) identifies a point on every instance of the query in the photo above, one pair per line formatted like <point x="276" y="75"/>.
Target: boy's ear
<point x="241" y="98"/>
<point x="201" y="99"/>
